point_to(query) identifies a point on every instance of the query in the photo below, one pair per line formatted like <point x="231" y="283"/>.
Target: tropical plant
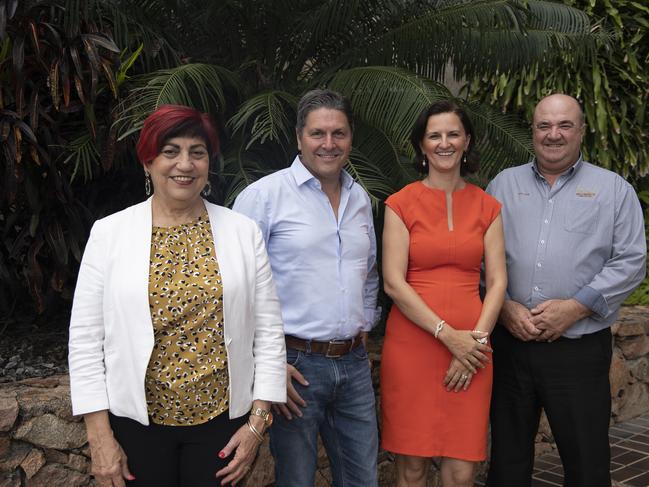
<point x="614" y="88"/>
<point x="389" y="57"/>
<point x="247" y="63"/>
<point x="61" y="72"/>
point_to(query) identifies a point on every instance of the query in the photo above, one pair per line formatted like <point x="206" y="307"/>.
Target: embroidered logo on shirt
<point x="585" y="193"/>
<point x="523" y="194"/>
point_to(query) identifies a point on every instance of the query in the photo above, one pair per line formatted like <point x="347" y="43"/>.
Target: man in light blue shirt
<point x="575" y="247"/>
<point x="319" y="233"/>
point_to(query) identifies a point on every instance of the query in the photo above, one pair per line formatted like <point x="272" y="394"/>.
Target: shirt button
<point x="542" y="242"/>
<point x="536" y="288"/>
<point x="538" y="264"/>
<point x="545" y="221"/>
<point x="550" y="201"/>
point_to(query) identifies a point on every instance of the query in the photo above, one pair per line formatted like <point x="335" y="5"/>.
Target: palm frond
<point x="503" y="141"/>
<point x="476" y="36"/>
<point x="268" y="116"/>
<point x="83" y="154"/>
<point x="389" y="99"/>
<point x="382" y="153"/>
<point x="365" y="173"/>
<point x="202" y="86"/>
<point x="241" y="168"/>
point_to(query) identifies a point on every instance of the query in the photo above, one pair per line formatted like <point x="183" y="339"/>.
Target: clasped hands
<point x="468" y="356"/>
<point x="545" y="322"/>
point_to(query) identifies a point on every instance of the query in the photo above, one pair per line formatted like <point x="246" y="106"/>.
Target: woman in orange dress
<point x="436" y="369"/>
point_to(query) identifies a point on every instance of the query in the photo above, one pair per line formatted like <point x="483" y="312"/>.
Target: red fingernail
<point x="221" y="454"/>
<point x="132" y="477"/>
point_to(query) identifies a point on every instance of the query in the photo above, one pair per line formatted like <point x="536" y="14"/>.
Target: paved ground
<point x="629" y="457"/>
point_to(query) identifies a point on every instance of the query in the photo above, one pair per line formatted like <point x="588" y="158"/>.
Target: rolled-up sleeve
<point x="86" y="340"/>
<point x="626" y="267"/>
<point x="269" y="347"/>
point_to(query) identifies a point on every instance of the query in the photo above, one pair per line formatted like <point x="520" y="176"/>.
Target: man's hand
<point x="554" y="316"/>
<point x="518" y="320"/>
<point x="294" y="400"/>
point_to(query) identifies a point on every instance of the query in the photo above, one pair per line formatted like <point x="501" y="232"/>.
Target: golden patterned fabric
<point x="187" y="377"/>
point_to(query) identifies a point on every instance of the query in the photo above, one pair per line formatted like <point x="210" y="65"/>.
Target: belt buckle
<point x="328" y="354"/>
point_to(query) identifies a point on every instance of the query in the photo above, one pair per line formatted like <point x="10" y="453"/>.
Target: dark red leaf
<point x="103" y="41"/>
<point x="33" y="30"/>
<point x="54" y="33"/>
<point x="76" y="60"/>
<point x="3" y="19"/>
<point x="78" y="84"/>
<point x="18" y="54"/>
<point x="54" y="83"/>
<point x="12" y="5"/>
<point x="93" y="55"/>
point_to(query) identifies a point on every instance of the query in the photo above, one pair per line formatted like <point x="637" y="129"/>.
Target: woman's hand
<point x="108" y="461"/>
<point x="244" y="444"/>
<point x="464" y="347"/>
<point x="458" y="377"/>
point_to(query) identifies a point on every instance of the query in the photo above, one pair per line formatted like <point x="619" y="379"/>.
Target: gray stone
<point x="54" y="475"/>
<point x="81" y="463"/>
<point x="640" y="369"/>
<point x="634" y="347"/>
<point x="634" y="402"/>
<point x="619" y="374"/>
<point x="17" y="453"/>
<point x="50" y="431"/>
<point x="8" y="411"/>
<point x="33" y="463"/>
<point x="37" y="401"/>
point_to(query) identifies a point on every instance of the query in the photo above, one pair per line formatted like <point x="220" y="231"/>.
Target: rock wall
<point x="43" y="445"/>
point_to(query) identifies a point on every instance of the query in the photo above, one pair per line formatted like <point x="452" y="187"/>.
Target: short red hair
<point x="170" y="121"/>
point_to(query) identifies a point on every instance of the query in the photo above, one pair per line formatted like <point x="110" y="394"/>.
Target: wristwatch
<point x="265" y="415"/>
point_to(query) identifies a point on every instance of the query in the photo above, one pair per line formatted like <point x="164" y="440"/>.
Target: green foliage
<point x="613" y="87"/>
<point x="79" y="77"/>
<point x="387" y="56"/>
<point x="61" y="74"/>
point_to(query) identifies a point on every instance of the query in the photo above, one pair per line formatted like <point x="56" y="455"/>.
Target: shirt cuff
<point x="371" y="318"/>
<point x="593" y="300"/>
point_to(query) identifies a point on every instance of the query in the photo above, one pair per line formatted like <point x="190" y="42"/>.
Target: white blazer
<point x="111" y="333"/>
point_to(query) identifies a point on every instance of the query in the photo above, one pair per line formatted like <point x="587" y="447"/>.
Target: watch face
<point x="268" y="419"/>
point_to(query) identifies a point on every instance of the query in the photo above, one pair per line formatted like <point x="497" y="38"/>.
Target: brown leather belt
<point x="331" y="349"/>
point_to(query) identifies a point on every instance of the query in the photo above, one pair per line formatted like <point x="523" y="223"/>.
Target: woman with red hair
<point x="176" y="330"/>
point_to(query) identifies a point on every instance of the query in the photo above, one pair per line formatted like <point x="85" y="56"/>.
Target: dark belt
<point x="331" y="349"/>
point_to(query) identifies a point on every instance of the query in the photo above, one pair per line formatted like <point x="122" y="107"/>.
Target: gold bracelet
<point x="255" y="432"/>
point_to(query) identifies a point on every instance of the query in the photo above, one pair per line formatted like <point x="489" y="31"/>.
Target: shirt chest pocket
<point x="582" y="216"/>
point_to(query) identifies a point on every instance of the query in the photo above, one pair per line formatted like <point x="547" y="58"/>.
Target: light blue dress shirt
<point x="582" y="238"/>
<point x="324" y="268"/>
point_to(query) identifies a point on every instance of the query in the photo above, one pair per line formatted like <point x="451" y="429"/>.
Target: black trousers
<point x="567" y="378"/>
<point x="175" y="456"/>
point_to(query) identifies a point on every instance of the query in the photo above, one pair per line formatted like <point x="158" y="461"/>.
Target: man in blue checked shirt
<point x="319" y="232"/>
<point x="575" y="245"/>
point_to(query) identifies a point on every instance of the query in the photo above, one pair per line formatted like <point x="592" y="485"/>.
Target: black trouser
<point x="569" y="379"/>
<point x="175" y="456"/>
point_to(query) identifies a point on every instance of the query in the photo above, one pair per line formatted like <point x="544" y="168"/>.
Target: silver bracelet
<point x="439" y="327"/>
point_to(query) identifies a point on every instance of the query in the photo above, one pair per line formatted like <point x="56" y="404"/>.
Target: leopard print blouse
<point x="187" y="377"/>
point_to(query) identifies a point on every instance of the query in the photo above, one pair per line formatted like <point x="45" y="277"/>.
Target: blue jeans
<point x="340" y="406"/>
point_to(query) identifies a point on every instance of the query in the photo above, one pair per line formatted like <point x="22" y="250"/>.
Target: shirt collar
<point x="569" y="173"/>
<point x="302" y="174"/>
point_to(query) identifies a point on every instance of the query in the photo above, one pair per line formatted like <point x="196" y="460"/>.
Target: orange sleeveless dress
<point x="419" y="417"/>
